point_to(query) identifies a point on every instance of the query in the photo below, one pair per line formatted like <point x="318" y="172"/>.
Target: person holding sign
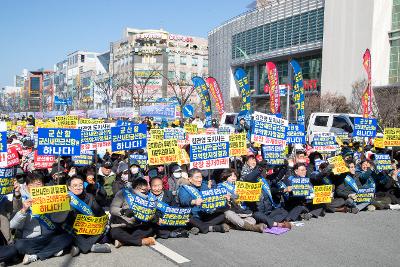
<point x="127" y="205"/>
<point x="42" y="236"/>
<point x="84" y="203"/>
<point x="164" y="199"/>
<point x="190" y="197"/>
<point x="238" y="214"/>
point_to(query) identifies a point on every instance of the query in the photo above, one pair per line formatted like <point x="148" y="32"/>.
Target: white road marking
<point x="169" y="253"/>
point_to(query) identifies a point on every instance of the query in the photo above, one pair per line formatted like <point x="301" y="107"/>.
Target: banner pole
<point x="290" y="79"/>
<point x="95" y="164"/>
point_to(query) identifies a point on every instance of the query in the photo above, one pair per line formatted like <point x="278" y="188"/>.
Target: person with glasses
<point x="86" y="204"/>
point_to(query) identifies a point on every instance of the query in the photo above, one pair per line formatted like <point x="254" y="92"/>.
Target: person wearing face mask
<point x="84" y="203"/>
<point x="165" y="197"/>
<point x="125" y="229"/>
<point x="176" y="174"/>
<point x="135" y="171"/>
<point x="202" y="220"/>
<point x="123" y="178"/>
<point x="92" y="186"/>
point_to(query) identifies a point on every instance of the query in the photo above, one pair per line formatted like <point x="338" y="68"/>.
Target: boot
<point x="254" y="227"/>
<point x="341" y="209"/>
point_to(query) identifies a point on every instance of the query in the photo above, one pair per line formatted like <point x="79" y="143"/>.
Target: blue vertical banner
<point x="298" y="91"/>
<point x="244" y="86"/>
<point x="202" y="90"/>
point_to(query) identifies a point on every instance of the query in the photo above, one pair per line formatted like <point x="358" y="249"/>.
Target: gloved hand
<point x="127" y="212"/>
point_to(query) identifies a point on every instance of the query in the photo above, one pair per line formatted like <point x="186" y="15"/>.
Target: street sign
<point x="188" y="111"/>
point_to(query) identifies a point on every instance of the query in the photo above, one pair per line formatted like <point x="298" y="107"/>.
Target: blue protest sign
<point x="213" y="198"/>
<point x="365" y="195"/>
<point x="128" y="137"/>
<point x="173" y="216"/>
<point x="7" y="180"/>
<point x="144" y="209"/>
<point x="167" y="111"/>
<point x="274" y="154"/>
<point x="296" y="134"/>
<point x="209" y="151"/>
<point x="139" y="159"/>
<point x="59" y="142"/>
<point x="365" y="127"/>
<point x="188" y="111"/>
<point x="383" y="162"/>
<point x="3" y="141"/>
<point x="300" y="186"/>
<point x="324" y="142"/>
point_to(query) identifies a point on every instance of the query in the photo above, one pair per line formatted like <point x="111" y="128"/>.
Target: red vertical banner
<point x="367" y="95"/>
<point x="274" y="94"/>
<point x="216" y="94"/>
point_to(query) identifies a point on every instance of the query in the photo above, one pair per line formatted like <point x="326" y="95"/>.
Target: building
<point x="34" y="91"/>
<point x="145" y="64"/>
<point x="10" y="99"/>
<point x="327" y="38"/>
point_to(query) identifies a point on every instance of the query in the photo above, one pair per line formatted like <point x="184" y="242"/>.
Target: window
<point x="321" y="121"/>
<point x="341" y="123"/>
<point x="205" y="63"/>
<point x="183" y="60"/>
<point x="182" y="75"/>
<point x="171" y="58"/>
<point x="171" y="75"/>
<point x="83" y="58"/>
<point x="194" y="61"/>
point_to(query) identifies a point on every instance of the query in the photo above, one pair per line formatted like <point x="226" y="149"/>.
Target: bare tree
<point x="108" y="86"/>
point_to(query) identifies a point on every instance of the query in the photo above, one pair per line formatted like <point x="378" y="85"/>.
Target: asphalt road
<point x="365" y="239"/>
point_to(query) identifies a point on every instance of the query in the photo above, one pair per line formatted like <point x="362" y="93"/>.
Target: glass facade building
<point x="394" y="35"/>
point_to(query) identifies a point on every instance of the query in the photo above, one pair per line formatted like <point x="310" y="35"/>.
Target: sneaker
<point x="394" y="207"/>
<point x="225" y="228"/>
<point x="287" y="225"/>
<point x="371" y="208"/>
<point x="179" y="234"/>
<point x="194" y="231"/>
<point x="306" y="216"/>
<point x="148" y="241"/>
<point x="354" y="210"/>
<point x="29" y="258"/>
<point x="58" y="254"/>
<point x="117" y="244"/>
<point x="101" y="248"/>
<point x="74" y="251"/>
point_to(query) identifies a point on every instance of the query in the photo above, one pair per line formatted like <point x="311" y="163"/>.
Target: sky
<point x="39" y="33"/>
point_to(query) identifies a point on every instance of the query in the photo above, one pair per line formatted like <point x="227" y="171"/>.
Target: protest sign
<point x="90" y="225"/>
<point x="213" y="198"/>
<point x="191" y="129"/>
<point x="175" y="216"/>
<point x="209" y="151"/>
<point x="49" y="199"/>
<point x="63" y="142"/>
<point x="12" y="156"/>
<point x="301" y="187"/>
<point x="163" y="152"/>
<point x="163" y="111"/>
<point x="84" y="159"/>
<point x="365" y="195"/>
<point x="95" y="136"/>
<point x="225" y="130"/>
<point x="365" y="127"/>
<point x="138" y="159"/>
<point x="339" y="165"/>
<point x="296" y="134"/>
<point x="247" y="191"/>
<point x="268" y="129"/>
<point x="156" y="134"/>
<point x="274" y="154"/>
<point x="322" y="194"/>
<point x="324" y="142"/>
<point x="67" y="121"/>
<point x="7" y="180"/>
<point x="90" y="121"/>
<point x="174" y="133"/>
<point x="143" y="209"/>
<point x="383" y="162"/>
<point x="128" y="137"/>
<point x="43" y="162"/>
<point x="392" y="136"/>
<point x="379" y="143"/>
<point x="237" y="145"/>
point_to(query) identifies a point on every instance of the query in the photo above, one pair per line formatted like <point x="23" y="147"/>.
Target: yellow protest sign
<point x="49" y="199"/>
<point x="90" y="121"/>
<point x="183" y="158"/>
<point x="392" y="137"/>
<point x="45" y="124"/>
<point x="339" y="166"/>
<point x="90" y="225"/>
<point x="237" y="145"/>
<point x="246" y="191"/>
<point x="162" y="152"/>
<point x="9" y="125"/>
<point x="322" y="194"/>
<point x="156" y="134"/>
<point x="379" y="143"/>
<point x="68" y="121"/>
<point x="191" y="129"/>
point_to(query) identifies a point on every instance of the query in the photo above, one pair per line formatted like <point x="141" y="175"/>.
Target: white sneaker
<point x="74" y="251"/>
<point x="117" y="244"/>
<point x="394" y="207"/>
<point x="58" y="254"/>
<point x="29" y="258"/>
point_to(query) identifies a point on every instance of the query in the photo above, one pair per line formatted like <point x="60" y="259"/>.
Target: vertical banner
<point x="298" y="91"/>
<point x="202" y="90"/>
<point x="216" y="93"/>
<point x="274" y="93"/>
<point x="367" y="96"/>
<point x="244" y="86"/>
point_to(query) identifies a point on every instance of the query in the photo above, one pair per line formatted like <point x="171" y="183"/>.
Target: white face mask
<point x="134" y="170"/>
<point x="124" y="177"/>
<point x="177" y="175"/>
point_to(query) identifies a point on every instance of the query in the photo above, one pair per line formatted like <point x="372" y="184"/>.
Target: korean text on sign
<point x="49" y="199"/>
<point x="269" y="129"/>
